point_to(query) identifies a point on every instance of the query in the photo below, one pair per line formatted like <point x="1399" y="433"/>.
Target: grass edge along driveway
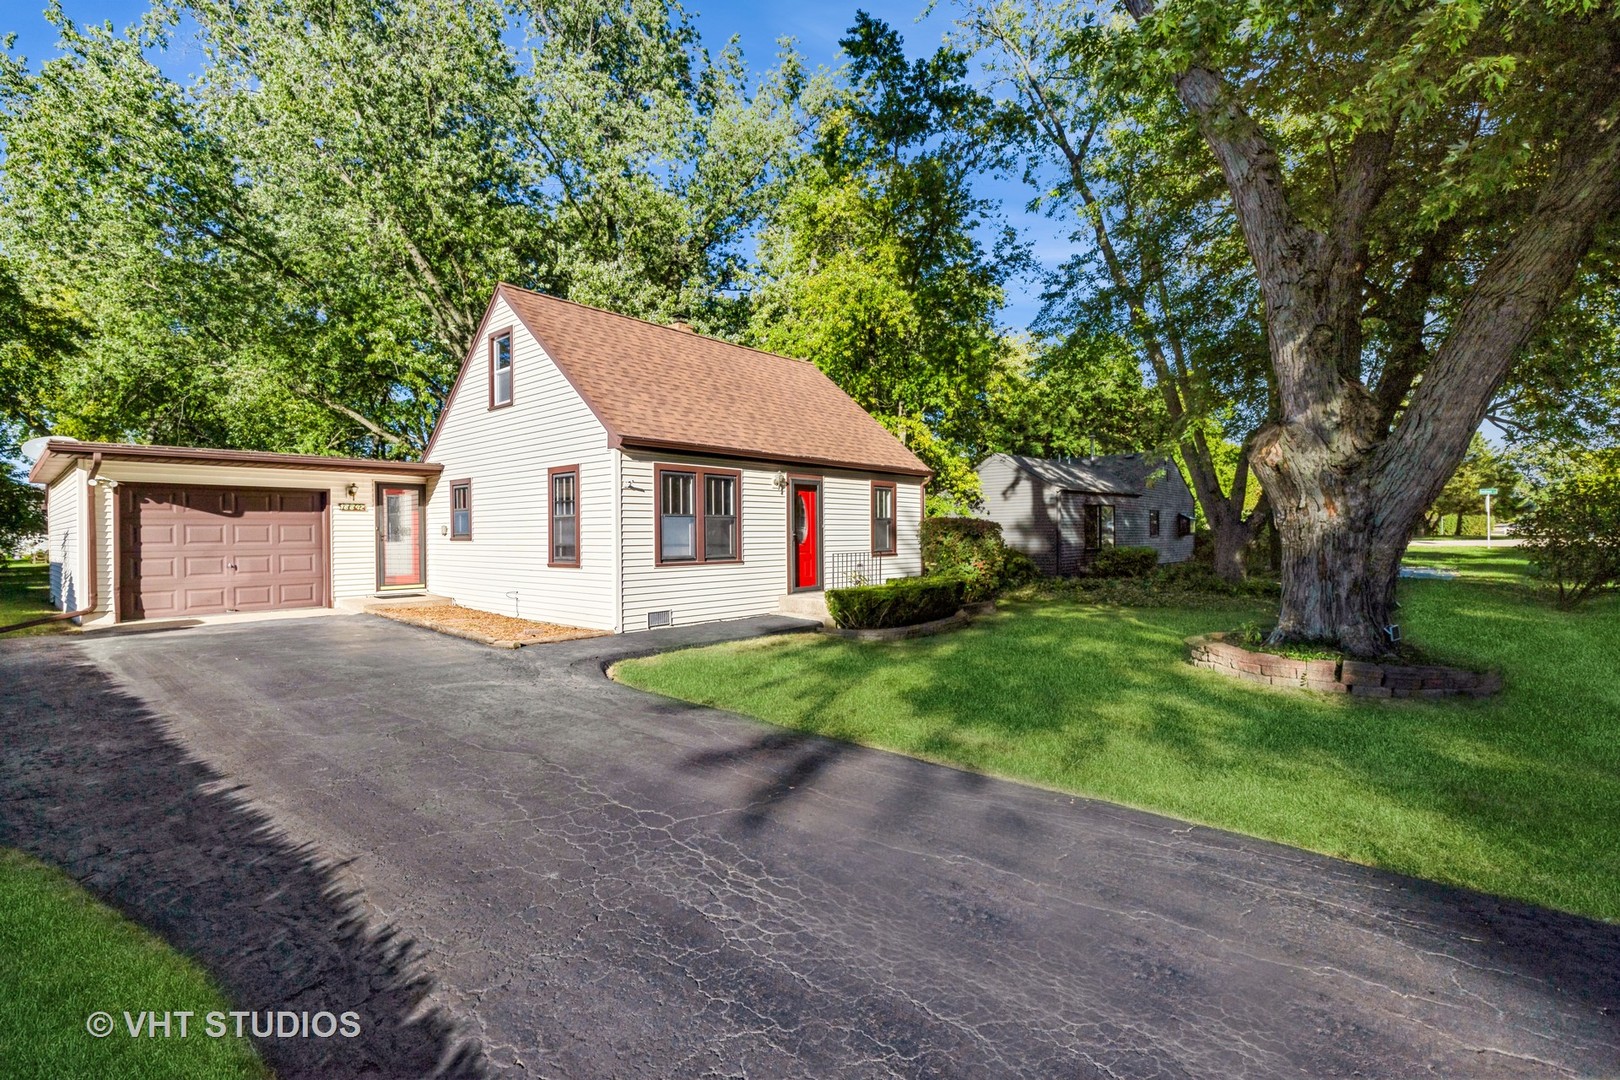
<point x="1514" y="796"/>
<point x="64" y="956"/>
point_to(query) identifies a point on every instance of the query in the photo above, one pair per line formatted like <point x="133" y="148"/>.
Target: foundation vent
<point x="655" y="619"/>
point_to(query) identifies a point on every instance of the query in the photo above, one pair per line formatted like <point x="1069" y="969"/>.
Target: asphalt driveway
<point x="509" y="864"/>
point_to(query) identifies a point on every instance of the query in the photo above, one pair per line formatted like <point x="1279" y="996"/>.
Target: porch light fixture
<point x="780" y="481"/>
<point x="352" y="491"/>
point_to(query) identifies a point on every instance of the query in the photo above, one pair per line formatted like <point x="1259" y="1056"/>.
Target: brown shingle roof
<point x="664" y="388"/>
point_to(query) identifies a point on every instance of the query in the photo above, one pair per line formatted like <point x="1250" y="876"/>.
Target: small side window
<point x="564" y="522"/>
<point x="1153" y="523"/>
<point x="1184" y="523"/>
<point x="883" y="530"/>
<point x="461" y="510"/>
<point x="500" y="370"/>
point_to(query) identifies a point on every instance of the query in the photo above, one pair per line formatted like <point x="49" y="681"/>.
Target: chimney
<point x="683" y="327"/>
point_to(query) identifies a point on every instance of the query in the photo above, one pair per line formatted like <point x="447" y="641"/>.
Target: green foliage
<point x="1126" y="562"/>
<point x="1170" y="585"/>
<point x="1482" y="467"/>
<point x="1572" y="535"/>
<point x="904" y="602"/>
<point x="954" y="483"/>
<point x="871" y="265"/>
<point x="22" y="515"/>
<point x="293" y="250"/>
<point x="950" y="543"/>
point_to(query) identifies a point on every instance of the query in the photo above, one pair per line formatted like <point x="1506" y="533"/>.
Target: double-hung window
<point x="500" y="370"/>
<point x="461" y="510"/>
<point x="883" y="530"/>
<point x="562" y="529"/>
<point x="1099" y="526"/>
<point x="698" y="516"/>
<point x="1153" y="523"/>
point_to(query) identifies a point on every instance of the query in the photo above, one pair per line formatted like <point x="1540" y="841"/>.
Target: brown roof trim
<point x="67" y="450"/>
<point x="768" y="457"/>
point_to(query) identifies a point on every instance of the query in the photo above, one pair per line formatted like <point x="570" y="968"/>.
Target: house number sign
<point x="353" y="506"/>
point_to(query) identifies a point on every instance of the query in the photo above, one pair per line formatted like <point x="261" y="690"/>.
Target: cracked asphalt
<point x="516" y="867"/>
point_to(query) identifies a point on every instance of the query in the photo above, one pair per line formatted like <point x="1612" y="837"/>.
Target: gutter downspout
<point x="89" y="534"/>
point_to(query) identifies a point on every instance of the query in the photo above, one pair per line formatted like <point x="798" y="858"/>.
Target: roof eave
<point x="741" y="454"/>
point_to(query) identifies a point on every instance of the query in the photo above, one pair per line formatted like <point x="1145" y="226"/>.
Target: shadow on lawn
<point x="103" y="793"/>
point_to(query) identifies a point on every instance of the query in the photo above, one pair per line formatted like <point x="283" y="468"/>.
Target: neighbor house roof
<point x="1113" y="474"/>
<point x="59" y="455"/>
<point x="664" y="388"/>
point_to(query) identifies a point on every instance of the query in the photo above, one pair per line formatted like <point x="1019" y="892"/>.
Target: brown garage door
<point x="208" y="550"/>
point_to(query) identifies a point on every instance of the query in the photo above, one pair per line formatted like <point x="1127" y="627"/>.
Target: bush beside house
<point x="905" y="602"/>
<point x="1124" y="562"/>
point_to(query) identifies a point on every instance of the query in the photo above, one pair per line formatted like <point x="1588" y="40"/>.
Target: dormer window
<point x="500" y="369"/>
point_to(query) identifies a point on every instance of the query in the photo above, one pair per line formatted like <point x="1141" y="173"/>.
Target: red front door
<point x="806" y="530"/>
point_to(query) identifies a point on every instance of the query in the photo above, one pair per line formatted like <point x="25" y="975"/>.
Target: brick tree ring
<point x="1360" y="678"/>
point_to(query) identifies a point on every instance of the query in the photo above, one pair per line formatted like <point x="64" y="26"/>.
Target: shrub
<point x="1017" y="569"/>
<point x="1572" y="535"/>
<point x="970" y="547"/>
<point x="1124" y="562"/>
<point x="904" y="602"/>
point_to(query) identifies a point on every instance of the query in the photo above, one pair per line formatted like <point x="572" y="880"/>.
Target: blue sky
<point x="815" y="26"/>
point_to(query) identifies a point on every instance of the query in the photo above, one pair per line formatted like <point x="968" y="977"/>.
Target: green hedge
<point x="905" y="602"/>
<point x="1124" y="562"/>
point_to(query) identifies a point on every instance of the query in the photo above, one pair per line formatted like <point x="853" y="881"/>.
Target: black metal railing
<point x="846" y="569"/>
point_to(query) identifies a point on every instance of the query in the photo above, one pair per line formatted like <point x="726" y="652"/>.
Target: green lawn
<point x="64" y="956"/>
<point x="25" y="593"/>
<point x="1518" y="796"/>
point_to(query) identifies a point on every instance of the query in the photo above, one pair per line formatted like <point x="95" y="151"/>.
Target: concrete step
<point x="371" y="603"/>
<point x="805" y="605"/>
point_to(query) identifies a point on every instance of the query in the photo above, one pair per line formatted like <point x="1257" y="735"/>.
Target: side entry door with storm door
<point x="401" y="553"/>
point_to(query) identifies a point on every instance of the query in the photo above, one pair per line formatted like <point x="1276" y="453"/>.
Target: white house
<point x="588" y="469"/>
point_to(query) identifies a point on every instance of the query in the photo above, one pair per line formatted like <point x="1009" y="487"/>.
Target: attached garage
<point x="155" y="532"/>
<point x="213" y="550"/>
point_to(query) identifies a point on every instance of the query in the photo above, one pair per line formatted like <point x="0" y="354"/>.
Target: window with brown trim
<point x="500" y="370"/>
<point x="699" y="517"/>
<point x="562" y="524"/>
<point x="883" y="524"/>
<point x="461" y="510"/>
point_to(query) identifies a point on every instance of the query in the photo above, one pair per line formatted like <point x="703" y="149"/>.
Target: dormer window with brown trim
<point x="500" y="370"/>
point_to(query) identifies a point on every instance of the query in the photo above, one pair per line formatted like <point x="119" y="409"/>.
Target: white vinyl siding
<point x="506" y="453"/>
<point x="706" y="592"/>
<point x="65" y="501"/>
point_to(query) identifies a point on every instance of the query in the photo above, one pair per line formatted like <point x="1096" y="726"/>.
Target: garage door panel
<point x="197" y="566"/>
<point x="295" y="595"/>
<point x="194" y="534"/>
<point x="200" y="551"/>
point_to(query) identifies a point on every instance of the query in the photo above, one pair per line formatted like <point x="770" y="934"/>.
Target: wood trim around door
<point x="380" y="522"/>
<point x="807" y="480"/>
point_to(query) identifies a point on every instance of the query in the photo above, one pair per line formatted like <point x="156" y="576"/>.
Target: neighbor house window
<point x="1184" y="525"/>
<point x="562" y="527"/>
<point x="883" y="531"/>
<point x="461" y="510"/>
<point x="1153" y="523"/>
<point x="500" y="370"/>
<point x="698" y="519"/>
<point x="1099" y="526"/>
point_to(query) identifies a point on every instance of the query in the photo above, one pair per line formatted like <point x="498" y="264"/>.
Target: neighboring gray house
<point x="1061" y="512"/>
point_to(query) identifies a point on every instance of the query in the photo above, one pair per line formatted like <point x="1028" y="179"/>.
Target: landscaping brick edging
<point x="1358" y="677"/>
<point x="900" y="633"/>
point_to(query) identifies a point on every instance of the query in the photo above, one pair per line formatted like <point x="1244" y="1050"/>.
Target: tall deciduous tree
<point x="872" y="265"/>
<point x="1417" y="185"/>
<point x="1161" y="262"/>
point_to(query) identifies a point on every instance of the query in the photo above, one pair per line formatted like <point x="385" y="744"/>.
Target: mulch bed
<point x="501" y="631"/>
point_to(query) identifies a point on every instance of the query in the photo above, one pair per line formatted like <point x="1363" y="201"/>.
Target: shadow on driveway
<point x="105" y="794"/>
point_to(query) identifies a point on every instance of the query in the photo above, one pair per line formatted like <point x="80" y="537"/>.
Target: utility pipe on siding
<point x="89" y="535"/>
